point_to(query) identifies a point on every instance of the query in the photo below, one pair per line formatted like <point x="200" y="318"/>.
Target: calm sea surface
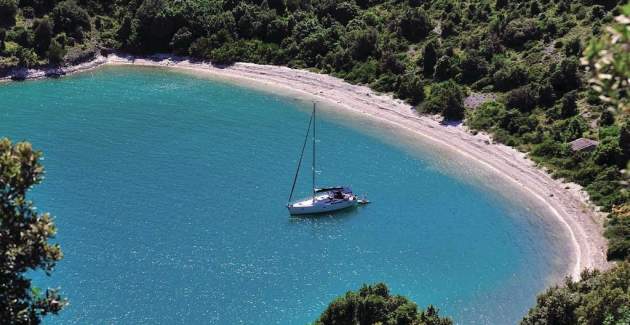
<point x="169" y="191"/>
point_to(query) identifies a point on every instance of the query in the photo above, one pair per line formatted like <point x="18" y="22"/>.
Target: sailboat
<point x="323" y="200"/>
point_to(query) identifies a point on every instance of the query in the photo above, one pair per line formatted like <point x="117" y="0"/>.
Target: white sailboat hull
<point x="321" y="204"/>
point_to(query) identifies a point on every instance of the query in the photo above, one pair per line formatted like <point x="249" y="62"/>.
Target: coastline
<point x="564" y="201"/>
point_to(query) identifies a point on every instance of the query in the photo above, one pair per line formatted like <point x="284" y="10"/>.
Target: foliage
<point x="71" y="19"/>
<point x="429" y="58"/>
<point x="446" y="98"/>
<point x="609" y="59"/>
<point x="597" y="298"/>
<point x="43" y="33"/>
<point x="414" y="24"/>
<point x="373" y="304"/>
<point x="24" y="235"/>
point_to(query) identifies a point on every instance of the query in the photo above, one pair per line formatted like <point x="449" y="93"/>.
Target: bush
<point x="486" y="116"/>
<point x="608" y="153"/>
<point x="568" y="105"/>
<point x="523" y="99"/>
<point x="181" y="41"/>
<point x="154" y="27"/>
<point x="519" y="31"/>
<point x="573" y="47"/>
<point x="56" y="52"/>
<point x="565" y="77"/>
<point x="446" y="98"/>
<point x="509" y="77"/>
<point x="71" y="19"/>
<point x="414" y="24"/>
<point x="43" y="33"/>
<point x="411" y="88"/>
<point x="446" y="68"/>
<point x="362" y="43"/>
<point x="473" y="67"/>
<point x="549" y="148"/>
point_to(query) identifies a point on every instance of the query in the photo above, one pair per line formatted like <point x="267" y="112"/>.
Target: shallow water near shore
<point x="169" y="193"/>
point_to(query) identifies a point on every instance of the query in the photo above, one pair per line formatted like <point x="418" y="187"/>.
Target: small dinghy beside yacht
<point x="326" y="199"/>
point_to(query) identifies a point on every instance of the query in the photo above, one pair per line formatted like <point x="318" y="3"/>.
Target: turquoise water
<point x="169" y="192"/>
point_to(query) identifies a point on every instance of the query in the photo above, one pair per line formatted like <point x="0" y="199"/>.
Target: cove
<point x="169" y="192"/>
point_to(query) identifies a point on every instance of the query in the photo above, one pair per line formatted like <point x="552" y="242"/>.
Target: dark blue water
<point x="169" y="194"/>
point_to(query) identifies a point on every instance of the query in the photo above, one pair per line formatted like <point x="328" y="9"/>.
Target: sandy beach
<point x="566" y="202"/>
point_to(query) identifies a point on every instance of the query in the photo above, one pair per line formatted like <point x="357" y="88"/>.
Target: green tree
<point x="446" y="98"/>
<point x="373" y="304"/>
<point x="43" y="33"/>
<point x="522" y="98"/>
<point x="414" y="24"/>
<point x="155" y="26"/>
<point x="411" y="88"/>
<point x="181" y="41"/>
<point x="24" y="235"/>
<point x="446" y="68"/>
<point x="597" y="298"/>
<point x="72" y="19"/>
<point x="429" y="58"/>
<point x="56" y="51"/>
<point x="362" y="43"/>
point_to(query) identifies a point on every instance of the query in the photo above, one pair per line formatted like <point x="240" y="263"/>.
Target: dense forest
<point x="521" y="57"/>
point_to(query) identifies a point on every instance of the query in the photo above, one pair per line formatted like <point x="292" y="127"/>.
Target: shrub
<point x="414" y="24"/>
<point x="519" y="31"/>
<point x="473" y="67"/>
<point x="446" y="68"/>
<point x="56" y="52"/>
<point x="565" y="77"/>
<point x="548" y="148"/>
<point x="568" y="105"/>
<point x="573" y="47"/>
<point x="486" y="116"/>
<point x="71" y="19"/>
<point x="181" y="41"/>
<point x="429" y="58"/>
<point x="523" y="99"/>
<point x="43" y="33"/>
<point x="446" y="98"/>
<point x="411" y="88"/>
<point x="608" y="153"/>
<point x="509" y="77"/>
<point x="362" y="43"/>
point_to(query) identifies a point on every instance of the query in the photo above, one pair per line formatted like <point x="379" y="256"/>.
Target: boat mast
<point x="297" y="171"/>
<point x="313" y="152"/>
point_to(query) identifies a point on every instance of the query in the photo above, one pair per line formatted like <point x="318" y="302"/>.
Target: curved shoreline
<point x="566" y="202"/>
